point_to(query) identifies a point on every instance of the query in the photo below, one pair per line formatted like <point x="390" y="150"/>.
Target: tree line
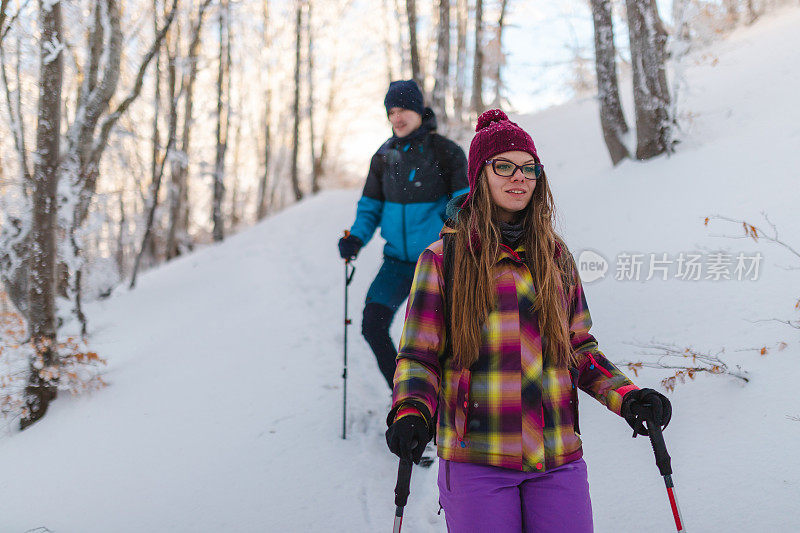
<point x="137" y="129"/>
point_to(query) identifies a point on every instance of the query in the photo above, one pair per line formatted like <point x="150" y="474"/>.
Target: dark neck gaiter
<point x="511" y="234"/>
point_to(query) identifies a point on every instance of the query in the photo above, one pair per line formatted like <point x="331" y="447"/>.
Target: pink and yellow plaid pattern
<point x="512" y="408"/>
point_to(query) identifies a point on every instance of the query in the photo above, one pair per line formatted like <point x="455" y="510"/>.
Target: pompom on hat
<point x="495" y="134"/>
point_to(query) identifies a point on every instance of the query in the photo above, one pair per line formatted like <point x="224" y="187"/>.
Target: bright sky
<point x="540" y="42"/>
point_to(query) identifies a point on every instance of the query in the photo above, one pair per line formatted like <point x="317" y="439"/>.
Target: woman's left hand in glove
<point x="646" y="404"/>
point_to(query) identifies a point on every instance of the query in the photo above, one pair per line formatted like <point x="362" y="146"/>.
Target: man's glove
<point x="407" y="437"/>
<point x="349" y="245"/>
<point x="640" y="405"/>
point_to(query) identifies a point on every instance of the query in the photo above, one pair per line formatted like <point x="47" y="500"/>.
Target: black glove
<point x="407" y="437"/>
<point x="349" y="246"/>
<point x="643" y="404"/>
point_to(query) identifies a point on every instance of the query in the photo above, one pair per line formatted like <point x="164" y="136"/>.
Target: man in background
<point x="411" y="178"/>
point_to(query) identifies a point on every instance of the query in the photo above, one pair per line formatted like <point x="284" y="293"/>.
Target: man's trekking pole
<point x="663" y="462"/>
<point x="401" y="491"/>
<point x="349" y="270"/>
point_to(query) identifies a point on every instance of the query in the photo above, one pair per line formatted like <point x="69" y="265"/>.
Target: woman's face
<point x="510" y="194"/>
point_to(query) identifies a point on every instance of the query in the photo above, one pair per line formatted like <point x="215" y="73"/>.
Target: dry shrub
<point x="77" y="369"/>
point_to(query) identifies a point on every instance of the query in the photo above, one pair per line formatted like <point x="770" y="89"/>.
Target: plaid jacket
<point x="511" y="408"/>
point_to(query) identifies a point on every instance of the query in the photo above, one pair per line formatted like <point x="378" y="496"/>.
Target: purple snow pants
<point x="488" y="499"/>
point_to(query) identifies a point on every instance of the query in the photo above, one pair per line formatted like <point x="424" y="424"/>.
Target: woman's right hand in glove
<point x="407" y="437"/>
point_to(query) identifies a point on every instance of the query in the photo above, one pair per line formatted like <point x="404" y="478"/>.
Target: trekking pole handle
<point x="402" y="489"/>
<point x="350" y="269"/>
<point x="401" y="493"/>
<point x="663" y="460"/>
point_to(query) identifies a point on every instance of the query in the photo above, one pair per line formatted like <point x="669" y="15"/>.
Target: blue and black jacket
<point x="409" y="184"/>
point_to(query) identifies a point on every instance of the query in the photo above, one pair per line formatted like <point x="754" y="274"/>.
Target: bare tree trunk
<point x="679" y="20"/>
<point x="477" y="63"/>
<point x="237" y="118"/>
<point x="42" y="313"/>
<point x="321" y="160"/>
<point x="177" y="235"/>
<point x="416" y="71"/>
<point x="752" y="14"/>
<point x="310" y="80"/>
<point x="283" y="138"/>
<point x="261" y="209"/>
<point x="85" y="145"/>
<point x="174" y="188"/>
<point x="15" y="260"/>
<point x="101" y="76"/>
<point x="263" y="184"/>
<point x="612" y="119"/>
<point x="14" y="99"/>
<point x="236" y="212"/>
<point x="77" y="288"/>
<point x="387" y="44"/>
<point x="298" y="193"/>
<point x="120" y="252"/>
<point x="404" y="59"/>
<point x="87" y="137"/>
<point x="155" y="186"/>
<point x="3" y="18"/>
<point x="222" y="120"/>
<point x="679" y="46"/>
<point x="731" y="12"/>
<point x="15" y="232"/>
<point x="498" y="66"/>
<point x="462" y="19"/>
<point x="650" y="92"/>
<point x="156" y="155"/>
<point x="439" y="100"/>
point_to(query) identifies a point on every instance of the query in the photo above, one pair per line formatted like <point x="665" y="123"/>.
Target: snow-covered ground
<point x="224" y="406"/>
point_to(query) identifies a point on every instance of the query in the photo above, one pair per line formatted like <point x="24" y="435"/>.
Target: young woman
<point x="495" y="342"/>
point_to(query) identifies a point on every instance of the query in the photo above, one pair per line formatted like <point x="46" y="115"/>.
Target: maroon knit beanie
<point x="495" y="134"/>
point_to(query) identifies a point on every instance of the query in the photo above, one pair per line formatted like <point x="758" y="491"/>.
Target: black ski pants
<point x="385" y="296"/>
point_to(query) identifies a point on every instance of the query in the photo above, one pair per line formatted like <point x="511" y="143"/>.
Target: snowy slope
<point x="224" y="409"/>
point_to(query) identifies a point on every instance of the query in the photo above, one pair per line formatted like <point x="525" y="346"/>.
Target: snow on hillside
<point x="224" y="406"/>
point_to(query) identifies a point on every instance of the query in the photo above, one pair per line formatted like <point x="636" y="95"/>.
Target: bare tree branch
<point x="13" y="102"/>
<point x="156" y="185"/>
<point x="5" y="29"/>
<point x="112" y="118"/>
<point x="755" y="232"/>
<point x="687" y="362"/>
<point x="793" y="323"/>
<point x="96" y="94"/>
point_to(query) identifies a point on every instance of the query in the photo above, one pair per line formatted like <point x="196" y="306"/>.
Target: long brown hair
<point x="475" y="250"/>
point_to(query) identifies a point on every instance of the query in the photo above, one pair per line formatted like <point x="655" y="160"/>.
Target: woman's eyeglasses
<point x="506" y="168"/>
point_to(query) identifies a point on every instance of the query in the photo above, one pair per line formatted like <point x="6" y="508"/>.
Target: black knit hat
<point x="404" y="94"/>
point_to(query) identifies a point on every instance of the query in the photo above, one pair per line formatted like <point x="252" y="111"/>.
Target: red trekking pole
<point x="663" y="461"/>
